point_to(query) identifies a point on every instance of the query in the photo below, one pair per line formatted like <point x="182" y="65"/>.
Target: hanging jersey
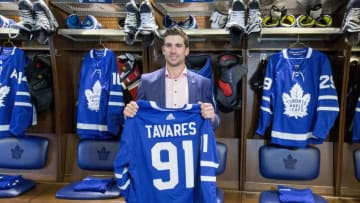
<point x="100" y="96"/>
<point x="299" y="96"/>
<point x="16" y="109"/>
<point x="356" y="123"/>
<point x="200" y="64"/>
<point x="167" y="155"/>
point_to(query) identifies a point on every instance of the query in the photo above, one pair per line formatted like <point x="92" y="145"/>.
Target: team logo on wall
<point x="3" y="92"/>
<point x="93" y="96"/>
<point x="296" y="103"/>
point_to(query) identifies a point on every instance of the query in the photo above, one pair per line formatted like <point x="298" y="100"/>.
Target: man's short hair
<point x="177" y="31"/>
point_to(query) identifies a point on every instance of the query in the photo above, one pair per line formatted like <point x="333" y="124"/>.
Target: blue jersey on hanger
<point x="100" y="96"/>
<point x="16" y="109"/>
<point x="299" y="97"/>
<point x="356" y="124"/>
<point x="167" y="155"/>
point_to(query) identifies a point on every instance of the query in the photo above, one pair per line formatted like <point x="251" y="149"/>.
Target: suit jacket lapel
<point x="192" y="87"/>
<point x="161" y="91"/>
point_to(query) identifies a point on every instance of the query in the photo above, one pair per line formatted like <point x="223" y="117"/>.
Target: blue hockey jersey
<point x="16" y="109"/>
<point x="167" y="155"/>
<point x="356" y="123"/>
<point x="299" y="97"/>
<point x="100" y="96"/>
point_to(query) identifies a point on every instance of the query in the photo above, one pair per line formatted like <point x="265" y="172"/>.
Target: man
<point x="174" y="85"/>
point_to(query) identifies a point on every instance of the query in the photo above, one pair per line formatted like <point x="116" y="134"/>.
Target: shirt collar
<point x="184" y="73"/>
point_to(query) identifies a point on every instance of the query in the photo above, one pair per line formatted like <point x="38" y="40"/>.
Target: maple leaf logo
<point x="3" y="92"/>
<point x="295" y="104"/>
<point x="289" y="162"/>
<point x="93" y="96"/>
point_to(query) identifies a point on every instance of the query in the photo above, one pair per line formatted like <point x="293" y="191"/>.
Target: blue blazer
<point x="152" y="87"/>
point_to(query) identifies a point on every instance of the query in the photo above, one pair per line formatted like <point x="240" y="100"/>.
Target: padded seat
<point x="281" y="163"/>
<point x="28" y="152"/>
<point x="94" y="155"/>
<point x="289" y="164"/>
<point x="221" y="150"/>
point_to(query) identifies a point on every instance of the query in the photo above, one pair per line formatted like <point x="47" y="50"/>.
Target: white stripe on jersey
<point x="124" y="187"/>
<point x="116" y="103"/>
<point x="23" y="93"/>
<point x="208" y="178"/>
<point x="23" y="104"/>
<point x="4" y="127"/>
<point x="324" y="108"/>
<point x="328" y="97"/>
<point x="209" y="164"/>
<point x="266" y="109"/>
<point x="86" y="126"/>
<point x="292" y="136"/>
<point x="116" y="93"/>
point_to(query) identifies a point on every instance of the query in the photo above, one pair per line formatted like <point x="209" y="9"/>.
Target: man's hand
<point x="131" y="109"/>
<point x="207" y="111"/>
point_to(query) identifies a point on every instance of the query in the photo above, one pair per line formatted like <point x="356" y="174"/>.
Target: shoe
<point x="45" y="20"/>
<point x="236" y="16"/>
<point x="45" y="23"/>
<point x="254" y="17"/>
<point x="218" y="20"/>
<point x="73" y="21"/>
<point x="90" y="23"/>
<point x="168" y="22"/>
<point x="147" y="19"/>
<point x="188" y="23"/>
<point x="351" y="21"/>
<point x="321" y="20"/>
<point x="27" y="16"/>
<point x="132" y="21"/>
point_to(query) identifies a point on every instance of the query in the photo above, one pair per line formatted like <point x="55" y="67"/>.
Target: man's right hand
<point x="131" y="109"/>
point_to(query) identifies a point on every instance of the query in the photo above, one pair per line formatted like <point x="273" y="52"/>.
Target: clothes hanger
<point x="100" y="46"/>
<point x="298" y="44"/>
<point x="8" y="43"/>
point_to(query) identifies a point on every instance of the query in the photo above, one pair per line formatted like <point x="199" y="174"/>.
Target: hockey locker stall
<point x="35" y="156"/>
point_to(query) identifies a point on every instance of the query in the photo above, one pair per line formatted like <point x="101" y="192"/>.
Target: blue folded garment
<point x="10" y="181"/>
<point x="93" y="184"/>
<point x="288" y="194"/>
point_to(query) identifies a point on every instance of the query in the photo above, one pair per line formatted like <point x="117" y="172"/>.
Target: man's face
<point x="174" y="50"/>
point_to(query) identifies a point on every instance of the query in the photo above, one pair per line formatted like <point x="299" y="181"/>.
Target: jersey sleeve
<point x="115" y="102"/>
<point x="328" y="106"/>
<point x="208" y="164"/>
<point x="22" y="113"/>
<point x="122" y="164"/>
<point x="356" y="124"/>
<point x="266" y="112"/>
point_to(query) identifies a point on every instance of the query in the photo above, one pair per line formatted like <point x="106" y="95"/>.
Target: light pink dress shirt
<point x="176" y="90"/>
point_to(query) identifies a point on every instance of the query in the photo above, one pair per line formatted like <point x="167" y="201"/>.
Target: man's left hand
<point x="207" y="111"/>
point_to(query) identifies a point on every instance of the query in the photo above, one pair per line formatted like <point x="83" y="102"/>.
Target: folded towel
<point x="288" y="194"/>
<point x="10" y="181"/>
<point x="93" y="184"/>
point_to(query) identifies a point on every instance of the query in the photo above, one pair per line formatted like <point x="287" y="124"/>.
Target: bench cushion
<point x="289" y="164"/>
<point x="28" y="152"/>
<point x="97" y="155"/>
